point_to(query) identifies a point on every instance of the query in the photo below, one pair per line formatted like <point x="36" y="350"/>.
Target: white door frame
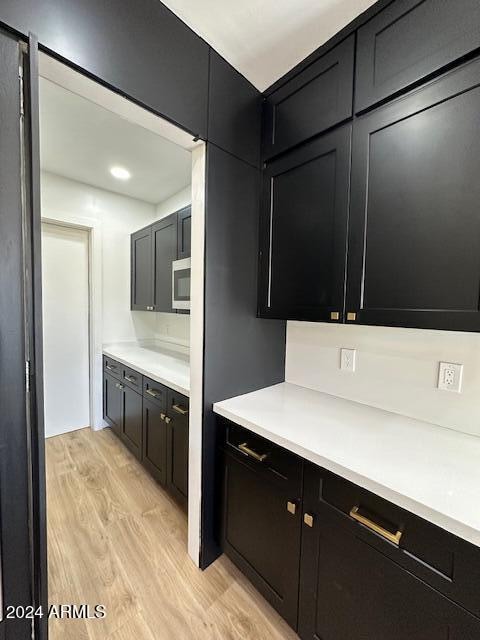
<point x="95" y="314"/>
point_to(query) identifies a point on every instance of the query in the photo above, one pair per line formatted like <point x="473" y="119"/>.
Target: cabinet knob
<point x="119" y="386"/>
<point x="351" y="316"/>
<point x="308" y="519"/>
<point x="335" y="315"/>
<point x="162" y="416"/>
<point x="167" y="419"/>
<point x="291" y="507"/>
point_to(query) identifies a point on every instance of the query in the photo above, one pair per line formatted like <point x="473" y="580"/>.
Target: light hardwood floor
<point x="116" y="538"/>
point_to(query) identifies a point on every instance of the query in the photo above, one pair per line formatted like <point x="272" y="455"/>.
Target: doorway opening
<point x="122" y="201"/>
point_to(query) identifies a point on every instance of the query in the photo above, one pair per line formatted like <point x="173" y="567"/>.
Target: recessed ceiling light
<point x="120" y="173"/>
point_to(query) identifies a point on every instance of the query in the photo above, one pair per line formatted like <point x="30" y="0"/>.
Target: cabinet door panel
<point x="314" y="100"/>
<point x="164" y="235"/>
<point x="351" y="591"/>
<point x="132" y="421"/>
<point x="184" y="233"/>
<point x="260" y="535"/>
<point x="410" y="40"/>
<point x="141" y="270"/>
<point x="414" y="246"/>
<point x="154" y="455"/>
<point x="177" y="446"/>
<point x="112" y="403"/>
<point x="304" y="229"/>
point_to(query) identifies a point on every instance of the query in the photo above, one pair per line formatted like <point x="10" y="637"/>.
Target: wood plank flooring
<point x="116" y="538"/>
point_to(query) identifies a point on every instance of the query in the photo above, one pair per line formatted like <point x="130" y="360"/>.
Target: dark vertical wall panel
<point x="234" y="111"/>
<point x="140" y="48"/>
<point x="13" y="428"/>
<point x="242" y="352"/>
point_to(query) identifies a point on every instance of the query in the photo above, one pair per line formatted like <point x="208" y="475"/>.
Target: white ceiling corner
<point x="263" y="39"/>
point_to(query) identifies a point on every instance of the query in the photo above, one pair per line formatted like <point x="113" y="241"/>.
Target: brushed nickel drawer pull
<point x="394" y="538"/>
<point x="153" y="393"/>
<point x="244" y="448"/>
<point x="130" y="379"/>
<point x="179" y="409"/>
<point x="111" y="367"/>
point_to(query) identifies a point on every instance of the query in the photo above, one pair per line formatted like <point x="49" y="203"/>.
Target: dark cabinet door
<point x="304" y="231"/>
<point x="316" y="99"/>
<point x="177" y="445"/>
<point x="408" y="41"/>
<point x="154" y="454"/>
<point x="164" y="235"/>
<point x="184" y="233"/>
<point x="351" y="591"/>
<point x="414" y="239"/>
<point x="132" y="421"/>
<point x="112" y="402"/>
<point x="262" y="526"/>
<point x="142" y="270"/>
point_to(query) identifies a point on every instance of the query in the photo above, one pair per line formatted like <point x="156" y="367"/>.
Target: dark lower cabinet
<point x="261" y="523"/>
<point x="132" y="421"/>
<point x="154" y="456"/>
<point x="350" y="590"/>
<point x="336" y="561"/>
<point x="414" y="245"/>
<point x="177" y="422"/>
<point x="304" y="231"/>
<point x="112" y="403"/>
<point x="152" y="421"/>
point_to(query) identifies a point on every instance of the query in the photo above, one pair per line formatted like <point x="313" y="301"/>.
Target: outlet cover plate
<point x="450" y="376"/>
<point x="347" y="359"/>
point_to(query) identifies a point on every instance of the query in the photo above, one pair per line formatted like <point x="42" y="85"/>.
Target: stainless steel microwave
<point x="181" y="283"/>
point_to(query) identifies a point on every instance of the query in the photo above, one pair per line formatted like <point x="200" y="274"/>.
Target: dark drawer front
<point x="449" y="564"/>
<point x="132" y="379"/>
<point x="410" y="40"/>
<point x="112" y="367"/>
<point x="155" y="392"/>
<point x="315" y="100"/>
<point x="262" y="454"/>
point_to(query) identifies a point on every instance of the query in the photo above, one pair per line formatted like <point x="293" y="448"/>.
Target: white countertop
<point x="431" y="471"/>
<point x="162" y="364"/>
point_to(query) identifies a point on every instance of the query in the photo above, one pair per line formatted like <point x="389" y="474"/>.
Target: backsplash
<point x="396" y="369"/>
<point x="173" y="327"/>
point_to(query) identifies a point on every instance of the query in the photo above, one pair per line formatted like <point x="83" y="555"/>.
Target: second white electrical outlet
<point x="450" y="376"/>
<point x="347" y="359"/>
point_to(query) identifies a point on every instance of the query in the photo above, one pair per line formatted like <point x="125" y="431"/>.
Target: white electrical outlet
<point x="347" y="359"/>
<point x="450" y="376"/>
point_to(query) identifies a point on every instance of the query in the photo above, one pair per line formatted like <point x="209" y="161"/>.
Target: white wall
<point x="178" y="201"/>
<point x="396" y="369"/>
<point x="117" y="217"/>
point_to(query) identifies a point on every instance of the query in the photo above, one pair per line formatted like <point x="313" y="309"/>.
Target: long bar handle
<point x="244" y="448"/>
<point x="110" y="367"/>
<point x="130" y="379"/>
<point x="153" y="393"/>
<point x="179" y="409"/>
<point x="373" y="526"/>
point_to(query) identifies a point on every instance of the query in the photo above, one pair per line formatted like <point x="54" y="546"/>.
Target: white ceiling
<point x="263" y="39"/>
<point x="81" y="140"/>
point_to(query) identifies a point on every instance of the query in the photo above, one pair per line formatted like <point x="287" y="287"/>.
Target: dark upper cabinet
<point x="151" y="55"/>
<point x="414" y="245"/>
<point x="235" y="108"/>
<point x="408" y="41"/>
<point x="142" y="270"/>
<point x="177" y="421"/>
<point x="184" y="233"/>
<point x="112" y="402"/>
<point x="164" y="241"/>
<point x="316" y="99"/>
<point x="261" y="516"/>
<point x="304" y="230"/>
<point x="351" y="590"/>
<point x="154" y="454"/>
<point x="132" y="421"/>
